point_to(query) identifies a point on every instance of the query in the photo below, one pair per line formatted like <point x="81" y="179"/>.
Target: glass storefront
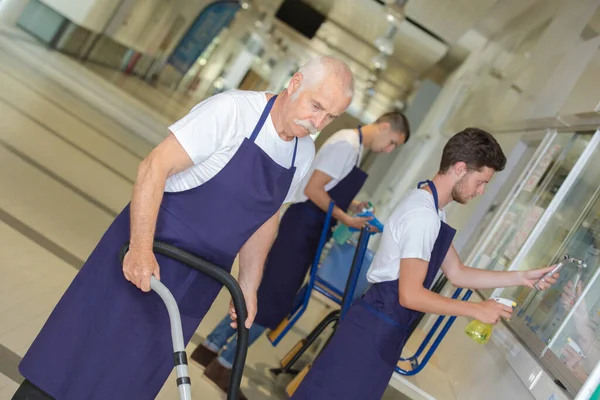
<point x="555" y="212"/>
<point x="503" y="244"/>
<point x="520" y="160"/>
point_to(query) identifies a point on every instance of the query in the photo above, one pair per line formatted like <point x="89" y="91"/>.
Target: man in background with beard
<point x="359" y="361"/>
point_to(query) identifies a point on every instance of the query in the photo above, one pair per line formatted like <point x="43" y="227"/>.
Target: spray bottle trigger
<point x="505" y="302"/>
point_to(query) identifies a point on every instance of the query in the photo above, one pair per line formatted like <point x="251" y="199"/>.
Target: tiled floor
<point x="166" y="101"/>
<point x="70" y="142"/>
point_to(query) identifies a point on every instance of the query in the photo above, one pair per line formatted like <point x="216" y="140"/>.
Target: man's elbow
<point x="455" y="278"/>
<point x="308" y="191"/>
<point x="406" y="298"/>
<point x="311" y="193"/>
<point x="153" y="166"/>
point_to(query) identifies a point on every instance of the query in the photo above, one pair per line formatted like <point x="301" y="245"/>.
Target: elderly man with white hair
<point x="213" y="187"/>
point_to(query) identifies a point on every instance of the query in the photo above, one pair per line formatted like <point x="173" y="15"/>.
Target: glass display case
<point x="556" y="212"/>
<point x="502" y="245"/>
<point x="520" y="160"/>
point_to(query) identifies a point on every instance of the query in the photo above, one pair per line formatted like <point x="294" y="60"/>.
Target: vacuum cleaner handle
<point x="239" y="304"/>
<point x="184" y="384"/>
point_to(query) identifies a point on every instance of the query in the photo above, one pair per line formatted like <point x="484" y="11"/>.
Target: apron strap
<point x="294" y="156"/>
<point x="433" y="190"/>
<point x="263" y="118"/>
<point x="360" y="137"/>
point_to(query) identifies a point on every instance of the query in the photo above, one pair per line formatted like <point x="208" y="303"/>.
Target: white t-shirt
<point x="410" y="232"/>
<point x="336" y="157"/>
<point x="213" y="130"/>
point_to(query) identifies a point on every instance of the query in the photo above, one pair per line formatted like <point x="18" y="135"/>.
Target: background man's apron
<point x="361" y="357"/>
<point x="295" y="247"/>
<point x="106" y="339"/>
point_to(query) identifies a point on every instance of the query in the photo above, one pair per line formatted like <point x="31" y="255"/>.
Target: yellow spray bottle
<point x="481" y="332"/>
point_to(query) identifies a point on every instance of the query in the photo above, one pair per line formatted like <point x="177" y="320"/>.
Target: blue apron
<point x="295" y="247"/>
<point x="361" y="357"/>
<point x="106" y="339"/>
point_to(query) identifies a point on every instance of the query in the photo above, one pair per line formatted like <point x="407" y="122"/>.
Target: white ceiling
<point x="450" y="19"/>
<point x="424" y="41"/>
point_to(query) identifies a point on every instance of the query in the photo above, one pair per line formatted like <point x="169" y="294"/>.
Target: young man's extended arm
<point x="414" y="234"/>
<point x="473" y="278"/>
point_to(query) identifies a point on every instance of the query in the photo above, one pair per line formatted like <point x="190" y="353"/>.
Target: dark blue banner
<point x="207" y="26"/>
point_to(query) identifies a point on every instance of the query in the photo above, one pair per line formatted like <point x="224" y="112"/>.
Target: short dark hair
<point x="398" y="123"/>
<point x="476" y="148"/>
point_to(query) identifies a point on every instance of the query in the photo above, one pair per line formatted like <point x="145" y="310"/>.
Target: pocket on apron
<point x="390" y="340"/>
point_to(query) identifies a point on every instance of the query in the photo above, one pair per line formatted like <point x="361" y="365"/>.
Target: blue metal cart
<point x="329" y="277"/>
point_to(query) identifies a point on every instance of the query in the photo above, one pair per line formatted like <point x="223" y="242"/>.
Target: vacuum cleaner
<point x="215" y="272"/>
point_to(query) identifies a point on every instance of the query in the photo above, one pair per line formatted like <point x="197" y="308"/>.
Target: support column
<point x="281" y="74"/>
<point x="242" y="63"/>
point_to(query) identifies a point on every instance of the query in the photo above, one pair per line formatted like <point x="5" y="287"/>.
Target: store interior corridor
<point x="71" y="138"/>
<point x="88" y="88"/>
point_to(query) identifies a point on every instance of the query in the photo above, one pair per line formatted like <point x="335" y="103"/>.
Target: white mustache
<point x="306" y="125"/>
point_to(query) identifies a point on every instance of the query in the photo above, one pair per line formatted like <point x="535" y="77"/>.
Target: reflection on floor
<point x="172" y="104"/>
<point x="70" y="142"/>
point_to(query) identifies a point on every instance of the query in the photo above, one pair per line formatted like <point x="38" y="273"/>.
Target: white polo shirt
<point x="410" y="232"/>
<point x="212" y="132"/>
<point x="336" y="157"/>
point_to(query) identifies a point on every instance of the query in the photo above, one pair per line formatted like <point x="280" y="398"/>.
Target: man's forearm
<point x="322" y="199"/>
<point x="254" y="253"/>
<point x="474" y="278"/>
<point x="145" y="202"/>
<point x="426" y="301"/>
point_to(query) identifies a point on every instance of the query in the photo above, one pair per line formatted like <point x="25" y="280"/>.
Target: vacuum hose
<point x="215" y="272"/>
